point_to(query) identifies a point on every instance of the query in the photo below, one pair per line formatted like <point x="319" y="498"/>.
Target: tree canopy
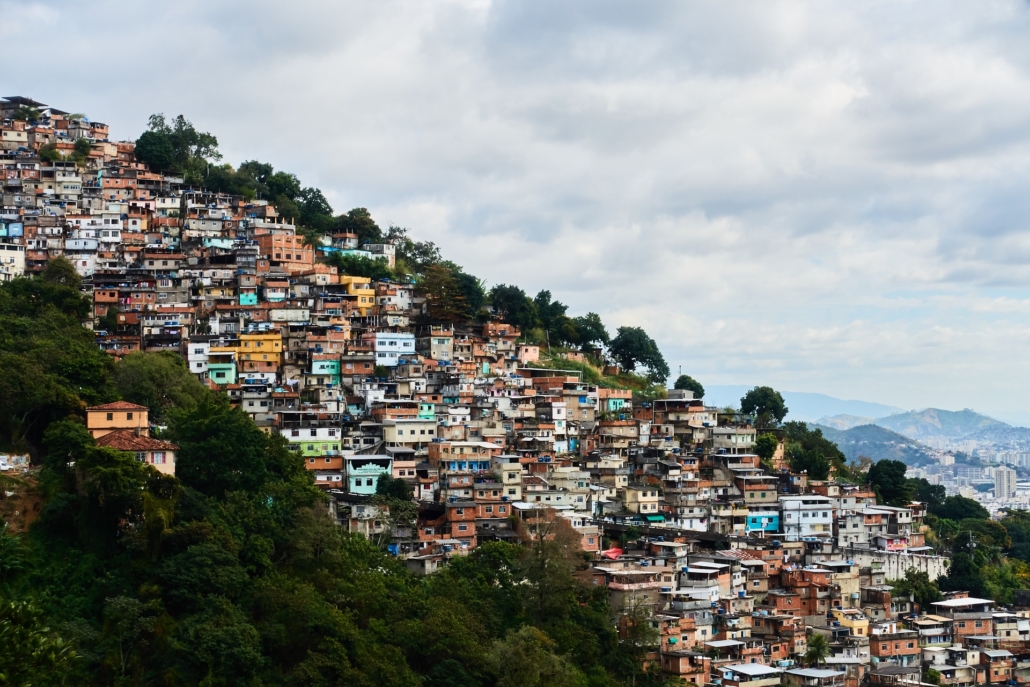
<point x="887" y="478"/>
<point x="689" y="384"/>
<point x="765" y="404"/>
<point x="633" y="348"/>
<point x="177" y="146"/>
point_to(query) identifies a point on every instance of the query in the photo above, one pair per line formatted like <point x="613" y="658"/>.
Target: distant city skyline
<point x="819" y="197"/>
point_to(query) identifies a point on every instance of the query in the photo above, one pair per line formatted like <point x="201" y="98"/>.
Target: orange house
<point x="101" y="420"/>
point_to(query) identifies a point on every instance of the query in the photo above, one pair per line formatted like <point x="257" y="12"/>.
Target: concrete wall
<point x="894" y="563"/>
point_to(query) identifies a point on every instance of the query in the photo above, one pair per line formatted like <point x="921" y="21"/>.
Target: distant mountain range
<point x="877" y="443"/>
<point x="881" y="431"/>
<point x="804" y="406"/>
<point x="932" y="422"/>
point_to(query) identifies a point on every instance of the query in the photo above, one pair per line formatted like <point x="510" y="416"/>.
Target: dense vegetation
<point x="878" y="443"/>
<point x="232" y="573"/>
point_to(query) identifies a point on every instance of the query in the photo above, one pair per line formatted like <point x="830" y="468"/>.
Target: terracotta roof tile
<point x="118" y="405"/>
<point x="126" y="440"/>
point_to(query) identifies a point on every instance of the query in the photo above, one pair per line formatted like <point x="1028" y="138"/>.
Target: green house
<point x="363" y="472"/>
<point x="222" y="373"/>
<point x="426" y="411"/>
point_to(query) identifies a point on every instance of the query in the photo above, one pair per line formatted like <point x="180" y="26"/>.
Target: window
<point x="462" y="527"/>
<point x="110" y="416"/>
<point x="369" y="482"/>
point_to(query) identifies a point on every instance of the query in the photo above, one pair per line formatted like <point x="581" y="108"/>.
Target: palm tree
<point x="818" y="649"/>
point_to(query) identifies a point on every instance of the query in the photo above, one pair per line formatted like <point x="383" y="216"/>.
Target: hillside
<point x="934" y="422"/>
<point x="845" y="421"/>
<point x="877" y="443"/>
<point x="1002" y="437"/>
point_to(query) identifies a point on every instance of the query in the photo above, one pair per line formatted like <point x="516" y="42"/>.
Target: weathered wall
<point x="896" y="563"/>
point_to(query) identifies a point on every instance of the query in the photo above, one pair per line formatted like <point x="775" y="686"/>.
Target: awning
<point x="655" y="518"/>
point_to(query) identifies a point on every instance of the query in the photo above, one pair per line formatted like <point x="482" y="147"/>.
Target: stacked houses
<point x="735" y="566"/>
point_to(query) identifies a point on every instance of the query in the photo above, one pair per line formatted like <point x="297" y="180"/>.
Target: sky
<point x="825" y="196"/>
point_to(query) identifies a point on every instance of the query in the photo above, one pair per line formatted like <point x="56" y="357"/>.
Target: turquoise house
<point x="616" y="404"/>
<point x="222" y="373"/>
<point x="327" y="368"/>
<point x="363" y="472"/>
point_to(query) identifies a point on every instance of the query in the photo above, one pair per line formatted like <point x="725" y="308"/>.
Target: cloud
<point x="825" y="196"/>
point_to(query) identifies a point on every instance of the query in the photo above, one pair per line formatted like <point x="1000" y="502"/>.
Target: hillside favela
<point x="251" y="440"/>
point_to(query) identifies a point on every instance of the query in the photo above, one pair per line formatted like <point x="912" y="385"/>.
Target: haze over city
<point x="821" y="197"/>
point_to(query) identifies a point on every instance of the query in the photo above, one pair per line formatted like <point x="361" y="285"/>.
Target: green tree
<point x="31" y="653"/>
<point x="190" y="150"/>
<point x="393" y="487"/>
<point x="918" y="585"/>
<point x="360" y="266"/>
<point x="526" y="658"/>
<point x="689" y="384"/>
<point x="632" y="347"/>
<point x="359" y="221"/>
<point x="49" y="153"/>
<point x="27" y="113"/>
<point x="765" y="404"/>
<point x="765" y="447"/>
<point x="450" y="673"/>
<point x="60" y="271"/>
<point x="52" y="366"/>
<point x="931" y="494"/>
<point x="472" y="290"/>
<point x="161" y="381"/>
<point x="445" y="301"/>
<point x="12" y="557"/>
<point x="315" y="211"/>
<point x="155" y="149"/>
<point x="513" y="306"/>
<point x="221" y="450"/>
<point x="809" y="461"/>
<point x="964" y="574"/>
<point x="417" y="256"/>
<point x="127" y="624"/>
<point x="592" y="333"/>
<point x="960" y="508"/>
<point x="818" y="649"/>
<point x="887" y="478"/>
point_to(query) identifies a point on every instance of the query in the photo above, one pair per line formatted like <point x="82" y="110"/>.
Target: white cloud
<point x="824" y="196"/>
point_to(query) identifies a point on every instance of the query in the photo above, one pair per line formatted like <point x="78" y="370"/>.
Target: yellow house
<point x="263" y="346"/>
<point x="363" y="291"/>
<point x="643" y="500"/>
<point x="110" y="417"/>
<point x="854" y="619"/>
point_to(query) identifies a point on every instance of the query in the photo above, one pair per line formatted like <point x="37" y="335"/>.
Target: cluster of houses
<point x="737" y="566"/>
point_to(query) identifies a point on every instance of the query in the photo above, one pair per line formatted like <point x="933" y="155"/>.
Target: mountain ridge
<point x="877" y="443"/>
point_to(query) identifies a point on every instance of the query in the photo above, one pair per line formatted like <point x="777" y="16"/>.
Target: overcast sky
<point x="821" y="196"/>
